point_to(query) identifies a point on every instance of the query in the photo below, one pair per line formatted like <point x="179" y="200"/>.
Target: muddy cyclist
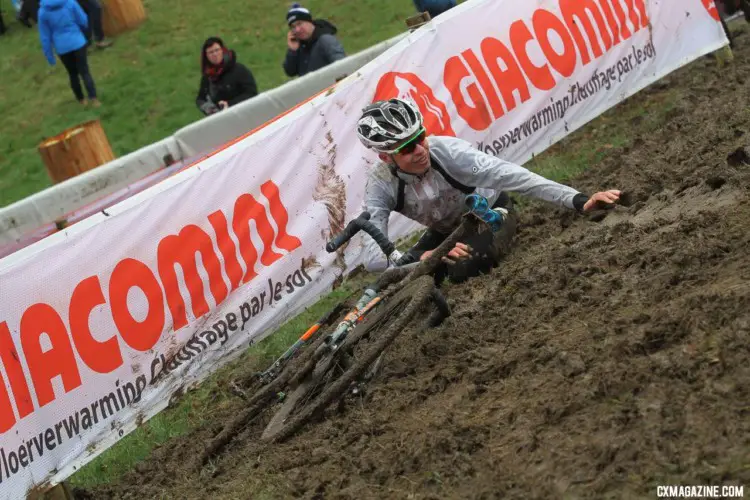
<point x="427" y="179"/>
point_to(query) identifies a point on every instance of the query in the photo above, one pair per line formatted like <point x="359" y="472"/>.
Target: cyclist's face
<point x="414" y="158"/>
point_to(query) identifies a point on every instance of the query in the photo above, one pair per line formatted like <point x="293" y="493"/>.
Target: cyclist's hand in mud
<point x="601" y="200"/>
<point x="460" y="251"/>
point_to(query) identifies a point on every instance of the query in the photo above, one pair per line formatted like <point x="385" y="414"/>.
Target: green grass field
<point x="148" y="80"/>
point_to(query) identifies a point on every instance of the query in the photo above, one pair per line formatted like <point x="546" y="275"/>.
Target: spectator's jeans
<point x="77" y="66"/>
<point x="94" y="11"/>
<point x="434" y="7"/>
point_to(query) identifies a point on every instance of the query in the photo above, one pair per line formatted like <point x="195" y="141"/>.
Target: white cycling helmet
<point x="384" y="123"/>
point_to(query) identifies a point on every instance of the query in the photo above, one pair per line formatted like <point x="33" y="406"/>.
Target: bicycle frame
<point x="372" y="296"/>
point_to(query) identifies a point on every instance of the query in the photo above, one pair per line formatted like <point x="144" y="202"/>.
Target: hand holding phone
<point x="291" y="41"/>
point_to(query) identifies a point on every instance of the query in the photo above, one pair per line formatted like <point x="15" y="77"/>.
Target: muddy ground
<point x="607" y="355"/>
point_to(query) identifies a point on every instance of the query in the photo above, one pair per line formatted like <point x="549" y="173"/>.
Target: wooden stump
<point x="76" y="150"/>
<point x="418" y="20"/>
<point x="122" y="15"/>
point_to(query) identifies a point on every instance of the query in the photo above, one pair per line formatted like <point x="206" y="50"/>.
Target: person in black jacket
<point x="312" y="44"/>
<point x="224" y="81"/>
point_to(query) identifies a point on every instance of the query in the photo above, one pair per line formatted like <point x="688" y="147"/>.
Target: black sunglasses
<point x="409" y="146"/>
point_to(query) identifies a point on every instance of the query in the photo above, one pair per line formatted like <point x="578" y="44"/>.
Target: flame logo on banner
<point x="408" y="85"/>
<point x="710" y="6"/>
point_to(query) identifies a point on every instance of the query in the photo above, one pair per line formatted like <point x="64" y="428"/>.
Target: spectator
<point x="312" y="44"/>
<point x="61" y="27"/>
<point x="93" y="10"/>
<point x="224" y="81"/>
<point x="434" y="7"/>
<point x="28" y="12"/>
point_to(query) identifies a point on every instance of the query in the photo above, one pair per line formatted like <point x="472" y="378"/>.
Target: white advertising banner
<point x="102" y="323"/>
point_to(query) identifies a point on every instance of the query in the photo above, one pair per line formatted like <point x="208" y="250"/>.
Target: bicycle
<point x="329" y="366"/>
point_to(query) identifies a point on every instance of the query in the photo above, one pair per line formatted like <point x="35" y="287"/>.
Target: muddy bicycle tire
<point x="316" y="372"/>
<point x="263" y="398"/>
<point x="306" y="385"/>
<point x="418" y="294"/>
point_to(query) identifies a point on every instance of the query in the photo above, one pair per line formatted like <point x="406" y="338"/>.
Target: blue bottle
<point x="479" y="206"/>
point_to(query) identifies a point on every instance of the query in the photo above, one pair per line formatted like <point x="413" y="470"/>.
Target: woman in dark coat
<point x="224" y="81"/>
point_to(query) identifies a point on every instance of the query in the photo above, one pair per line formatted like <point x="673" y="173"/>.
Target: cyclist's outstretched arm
<point x="475" y="168"/>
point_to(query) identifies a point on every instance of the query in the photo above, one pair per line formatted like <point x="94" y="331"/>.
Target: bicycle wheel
<point x="392" y="319"/>
<point x="296" y="369"/>
<point x="309" y="384"/>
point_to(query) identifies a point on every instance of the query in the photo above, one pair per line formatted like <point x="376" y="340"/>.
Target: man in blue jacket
<point x="61" y="27"/>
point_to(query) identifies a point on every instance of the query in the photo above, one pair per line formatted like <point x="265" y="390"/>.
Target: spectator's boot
<point x="103" y="43"/>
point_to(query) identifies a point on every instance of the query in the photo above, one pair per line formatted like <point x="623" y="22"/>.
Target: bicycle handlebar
<point x="361" y="223"/>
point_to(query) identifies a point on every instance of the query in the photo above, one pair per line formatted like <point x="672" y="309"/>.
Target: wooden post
<point x="415" y="22"/>
<point x="76" y="150"/>
<point x="58" y="492"/>
<point x="122" y="15"/>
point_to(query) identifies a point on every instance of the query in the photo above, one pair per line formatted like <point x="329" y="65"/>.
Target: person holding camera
<point x="224" y="81"/>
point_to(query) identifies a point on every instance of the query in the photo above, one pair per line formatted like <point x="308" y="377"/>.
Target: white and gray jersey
<point x="432" y="201"/>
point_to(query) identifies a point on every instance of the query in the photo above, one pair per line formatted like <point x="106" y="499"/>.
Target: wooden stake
<point x="119" y="16"/>
<point x="415" y="22"/>
<point x="76" y="150"/>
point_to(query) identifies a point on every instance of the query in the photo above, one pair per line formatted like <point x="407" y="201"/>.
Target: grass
<point x="148" y="80"/>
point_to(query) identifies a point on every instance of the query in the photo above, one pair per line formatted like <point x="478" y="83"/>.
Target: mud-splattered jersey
<point x="432" y="201"/>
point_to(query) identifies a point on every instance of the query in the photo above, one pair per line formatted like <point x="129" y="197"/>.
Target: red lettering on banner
<point x="181" y="249"/>
<point x="484" y="82"/>
<point x="7" y="417"/>
<point x="640" y="6"/>
<point x="588" y="27"/>
<point x="227" y="248"/>
<point x="45" y="363"/>
<point x="475" y="113"/>
<point x="102" y="357"/>
<point x="59" y="359"/>
<point x="710" y="6"/>
<point x="140" y="335"/>
<point x="18" y="386"/>
<point x="437" y="120"/>
<point x="545" y="21"/>
<point x="284" y="240"/>
<point x="246" y="208"/>
<point x="509" y="80"/>
<point x="622" y="20"/>
<point x="611" y="21"/>
<point x="540" y="76"/>
<point x="575" y="14"/>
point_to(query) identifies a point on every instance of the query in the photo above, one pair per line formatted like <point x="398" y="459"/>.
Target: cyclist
<point x="427" y="179"/>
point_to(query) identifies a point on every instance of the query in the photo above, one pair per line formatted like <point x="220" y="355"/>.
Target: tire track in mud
<point x="607" y="355"/>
